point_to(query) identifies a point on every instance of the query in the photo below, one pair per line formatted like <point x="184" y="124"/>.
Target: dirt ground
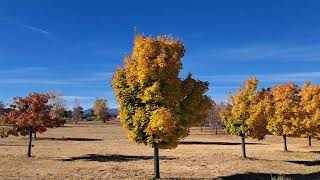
<point x="103" y="151"/>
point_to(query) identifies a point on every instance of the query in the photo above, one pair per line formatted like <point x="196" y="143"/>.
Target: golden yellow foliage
<point x="163" y="125"/>
<point x="261" y="110"/>
<point x="101" y="109"/>
<point x="310" y="102"/>
<point x="155" y="106"/>
<point x="287" y="111"/>
<point x="246" y="115"/>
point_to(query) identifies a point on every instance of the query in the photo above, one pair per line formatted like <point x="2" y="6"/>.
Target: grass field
<point x="103" y="151"/>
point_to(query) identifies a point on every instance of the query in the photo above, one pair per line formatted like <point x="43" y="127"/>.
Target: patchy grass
<point x="103" y="151"/>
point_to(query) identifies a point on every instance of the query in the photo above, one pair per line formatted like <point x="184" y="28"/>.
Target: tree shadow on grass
<point x="315" y="152"/>
<point x="12" y="145"/>
<point x="306" y="163"/>
<point x="68" y="139"/>
<point x="215" y="143"/>
<point x="263" y="176"/>
<point x="114" y="158"/>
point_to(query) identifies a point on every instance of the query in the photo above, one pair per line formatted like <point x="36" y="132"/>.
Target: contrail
<point x="28" y="27"/>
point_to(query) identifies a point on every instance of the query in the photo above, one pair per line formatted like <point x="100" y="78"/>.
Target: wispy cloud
<point x="262" y="52"/>
<point x="68" y="98"/>
<point x="22" y="71"/>
<point x="42" y="31"/>
<point x="78" y="83"/>
<point x="221" y="85"/>
<point x="271" y="78"/>
<point x="28" y="27"/>
<point x="104" y="74"/>
<point x="45" y="76"/>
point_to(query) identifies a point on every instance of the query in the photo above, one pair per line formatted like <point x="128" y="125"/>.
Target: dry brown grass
<point x="102" y="151"/>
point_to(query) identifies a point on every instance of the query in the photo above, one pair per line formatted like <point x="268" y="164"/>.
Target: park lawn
<point x="103" y="151"/>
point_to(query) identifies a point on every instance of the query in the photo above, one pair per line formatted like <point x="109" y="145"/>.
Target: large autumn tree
<point x="156" y="107"/>
<point x="30" y="115"/>
<point x="287" y="117"/>
<point x="245" y="115"/>
<point x="310" y="102"/>
<point x="101" y="109"/>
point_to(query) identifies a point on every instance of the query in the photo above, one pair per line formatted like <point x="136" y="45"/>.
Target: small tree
<point x="101" y="109"/>
<point x="58" y="105"/>
<point x="30" y="115"/>
<point x="77" y="112"/>
<point x="204" y="121"/>
<point x="310" y="102"/>
<point x="213" y="116"/>
<point x="156" y="107"/>
<point x="243" y="116"/>
<point x="6" y="127"/>
<point x="2" y="105"/>
<point x="67" y="114"/>
<point x="287" y="111"/>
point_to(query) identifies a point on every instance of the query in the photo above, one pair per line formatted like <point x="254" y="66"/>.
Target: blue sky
<point x="74" y="46"/>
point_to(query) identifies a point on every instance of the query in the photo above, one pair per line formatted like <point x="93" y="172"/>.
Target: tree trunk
<point x="104" y="120"/>
<point x="285" y="147"/>
<point x="156" y="163"/>
<point x="309" y="138"/>
<point x="216" y="131"/>
<point x="30" y="144"/>
<point x="35" y="135"/>
<point x="243" y="143"/>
